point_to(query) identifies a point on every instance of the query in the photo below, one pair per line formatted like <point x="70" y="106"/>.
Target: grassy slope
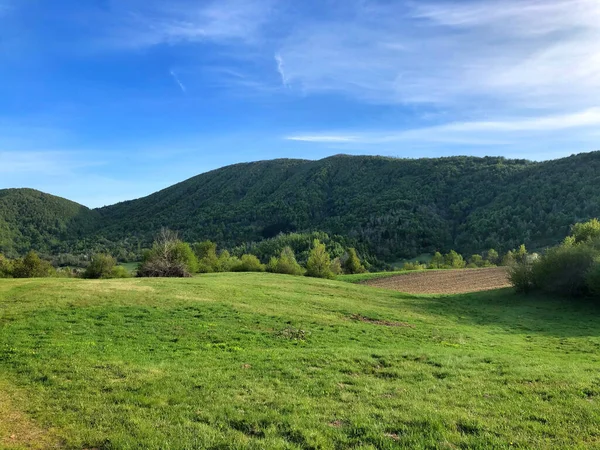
<point x="200" y="363"/>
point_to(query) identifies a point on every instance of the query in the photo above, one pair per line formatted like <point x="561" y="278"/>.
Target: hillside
<point x="262" y="361"/>
<point x="398" y="207"/>
<point x="32" y="219"/>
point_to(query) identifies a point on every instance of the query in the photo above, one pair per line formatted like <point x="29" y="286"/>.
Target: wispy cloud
<point x="281" y="70"/>
<point x="138" y="24"/>
<point x="526" y="53"/>
<point x="179" y="83"/>
<point x="469" y="133"/>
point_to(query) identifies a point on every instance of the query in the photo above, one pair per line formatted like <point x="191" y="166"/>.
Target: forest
<point x="389" y="209"/>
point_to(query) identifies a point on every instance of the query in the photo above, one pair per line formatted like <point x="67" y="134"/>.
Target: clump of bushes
<point x="248" y="263"/>
<point x="571" y="269"/>
<point x="104" y="266"/>
<point x="352" y="264"/>
<point x="32" y="266"/>
<point x="285" y="264"/>
<point x="168" y="257"/>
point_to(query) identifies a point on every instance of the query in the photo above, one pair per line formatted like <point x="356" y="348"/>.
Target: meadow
<point x="268" y="361"/>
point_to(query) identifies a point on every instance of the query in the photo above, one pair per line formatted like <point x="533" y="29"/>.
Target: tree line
<point x="571" y="269"/>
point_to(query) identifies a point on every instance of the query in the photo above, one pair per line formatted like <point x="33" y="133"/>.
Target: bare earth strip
<point x="445" y="281"/>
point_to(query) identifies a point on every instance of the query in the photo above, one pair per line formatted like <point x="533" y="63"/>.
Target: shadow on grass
<point x="516" y="313"/>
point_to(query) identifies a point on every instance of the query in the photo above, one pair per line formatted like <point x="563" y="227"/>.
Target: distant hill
<point x="398" y="207"/>
<point x="31" y="219"/>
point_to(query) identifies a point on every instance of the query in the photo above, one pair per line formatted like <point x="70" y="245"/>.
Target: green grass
<point x="266" y="361"/>
<point x="360" y="277"/>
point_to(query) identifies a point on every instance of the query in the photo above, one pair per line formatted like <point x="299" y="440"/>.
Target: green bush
<point x="563" y="270"/>
<point x="521" y="276"/>
<point x="593" y="278"/>
<point x="32" y="266"/>
<point x="336" y="266"/>
<point x="319" y="262"/>
<point x="352" y="264"/>
<point x="248" y="263"/>
<point x="413" y="266"/>
<point x="168" y="257"/>
<point x="6" y="267"/>
<point x="453" y="260"/>
<point x="286" y="263"/>
<point x="101" y="266"/>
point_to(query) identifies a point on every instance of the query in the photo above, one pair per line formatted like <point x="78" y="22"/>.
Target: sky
<point x="107" y="100"/>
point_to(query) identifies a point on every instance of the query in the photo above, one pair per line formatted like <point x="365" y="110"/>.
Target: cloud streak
<point x="281" y="70"/>
<point x="179" y="83"/>
<point x="469" y="133"/>
<point x="525" y="53"/>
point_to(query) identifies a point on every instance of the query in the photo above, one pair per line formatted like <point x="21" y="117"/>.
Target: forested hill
<point x="399" y="207"/>
<point x="32" y="219"/>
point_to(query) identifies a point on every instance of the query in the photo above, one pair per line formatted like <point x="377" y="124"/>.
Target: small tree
<point x="336" y="267"/>
<point x="437" y="262"/>
<point x="585" y="232"/>
<point x="454" y="260"/>
<point x="352" y="263"/>
<point x="492" y="257"/>
<point x="206" y="252"/>
<point x="168" y="257"/>
<point x="476" y="261"/>
<point x="521" y="254"/>
<point x="248" y="263"/>
<point x="32" y="266"/>
<point x="287" y="263"/>
<point x="6" y="267"/>
<point x="102" y="266"/>
<point x="319" y="262"/>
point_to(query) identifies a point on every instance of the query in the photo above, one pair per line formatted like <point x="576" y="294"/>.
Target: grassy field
<point x="265" y="361"/>
<point x="362" y="277"/>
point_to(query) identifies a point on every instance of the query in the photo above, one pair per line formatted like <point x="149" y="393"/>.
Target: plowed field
<point x="446" y="281"/>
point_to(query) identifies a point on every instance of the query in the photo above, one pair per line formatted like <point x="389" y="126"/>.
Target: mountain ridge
<point x="400" y="207"/>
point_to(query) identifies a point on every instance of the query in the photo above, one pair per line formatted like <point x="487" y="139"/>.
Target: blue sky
<point x="108" y="100"/>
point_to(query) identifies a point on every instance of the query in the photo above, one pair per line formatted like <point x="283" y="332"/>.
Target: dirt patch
<point x="385" y="323"/>
<point x="446" y="281"/>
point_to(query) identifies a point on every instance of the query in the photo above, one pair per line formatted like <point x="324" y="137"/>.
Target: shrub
<point x="521" y="276"/>
<point x="592" y="278"/>
<point x="585" y="232"/>
<point x="31" y="266"/>
<point x="437" y="262"/>
<point x="102" y="266"/>
<point x="336" y="266"/>
<point x="352" y="263"/>
<point x="492" y="257"/>
<point x="563" y="270"/>
<point x="208" y="261"/>
<point x="454" y="260"/>
<point x="319" y="262"/>
<point x="6" y="267"/>
<point x="413" y="266"/>
<point x="287" y="264"/>
<point x="248" y="263"/>
<point x="169" y="257"/>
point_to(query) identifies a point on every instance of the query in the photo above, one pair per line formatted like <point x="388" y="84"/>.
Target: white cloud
<point x="281" y="70"/>
<point x="179" y="83"/>
<point x="526" y="53"/>
<point x="468" y="133"/>
<point x="149" y="23"/>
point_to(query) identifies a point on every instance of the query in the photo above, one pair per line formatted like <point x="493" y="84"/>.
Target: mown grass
<point x="360" y="277"/>
<point x="270" y="361"/>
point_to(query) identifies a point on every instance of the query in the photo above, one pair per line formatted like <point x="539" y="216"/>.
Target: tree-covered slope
<point x="398" y="207"/>
<point x="401" y="207"/>
<point x="32" y="219"/>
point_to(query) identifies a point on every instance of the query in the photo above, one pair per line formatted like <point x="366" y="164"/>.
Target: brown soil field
<point x="445" y="281"/>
